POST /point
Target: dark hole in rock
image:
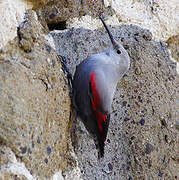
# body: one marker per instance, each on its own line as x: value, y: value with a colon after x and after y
x: 38, y: 140
x: 124, y: 103
x: 46, y: 160
x: 49, y: 150
x: 133, y: 137
x: 110, y: 166
x: 126, y: 119
x: 163, y: 122
x: 23, y: 149
x: 57, y: 26
x: 149, y: 148
x: 142, y: 121
x: 126, y: 46
x: 159, y: 173
x: 149, y: 164
x: 166, y: 138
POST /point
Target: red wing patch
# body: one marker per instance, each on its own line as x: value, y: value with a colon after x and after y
x: 96, y: 102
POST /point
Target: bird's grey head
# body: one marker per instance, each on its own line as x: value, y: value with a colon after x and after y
x: 118, y: 54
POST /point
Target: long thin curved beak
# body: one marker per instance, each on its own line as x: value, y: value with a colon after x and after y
x: 109, y: 33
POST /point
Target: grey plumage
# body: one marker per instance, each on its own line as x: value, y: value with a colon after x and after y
x: 109, y: 67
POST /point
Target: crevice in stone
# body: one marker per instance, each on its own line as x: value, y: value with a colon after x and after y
x: 2, y: 141
x: 18, y: 34
x: 57, y: 26
x: 25, y: 65
x: 46, y: 85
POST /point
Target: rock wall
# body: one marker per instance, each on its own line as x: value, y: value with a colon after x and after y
x: 12, y: 13
x: 34, y: 106
x: 142, y: 140
x: 36, y: 141
x: 160, y: 16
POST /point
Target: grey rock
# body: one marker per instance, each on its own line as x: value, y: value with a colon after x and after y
x: 149, y: 90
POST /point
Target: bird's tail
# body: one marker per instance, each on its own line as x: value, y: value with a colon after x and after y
x: 99, y: 146
x: 101, y: 138
x: 101, y: 150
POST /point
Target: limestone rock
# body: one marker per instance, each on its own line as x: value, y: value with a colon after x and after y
x: 160, y: 17
x: 36, y: 4
x: 11, y: 167
x: 12, y: 14
x: 57, y: 12
x: 142, y: 140
x: 35, y: 103
x: 173, y: 43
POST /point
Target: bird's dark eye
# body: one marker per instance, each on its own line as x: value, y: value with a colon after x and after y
x: 118, y: 51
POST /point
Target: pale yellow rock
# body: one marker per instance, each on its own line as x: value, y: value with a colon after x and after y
x: 35, y: 103
x: 12, y: 14
x: 173, y: 45
x: 11, y: 167
x: 161, y: 17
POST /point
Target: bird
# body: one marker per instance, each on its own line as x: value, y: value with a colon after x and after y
x: 94, y: 84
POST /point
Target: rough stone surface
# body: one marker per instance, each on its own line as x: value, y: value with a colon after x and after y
x: 142, y: 142
x: 12, y: 14
x: 11, y: 167
x: 35, y: 103
x: 173, y: 45
x: 161, y: 17
x: 36, y: 4
x: 57, y: 11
